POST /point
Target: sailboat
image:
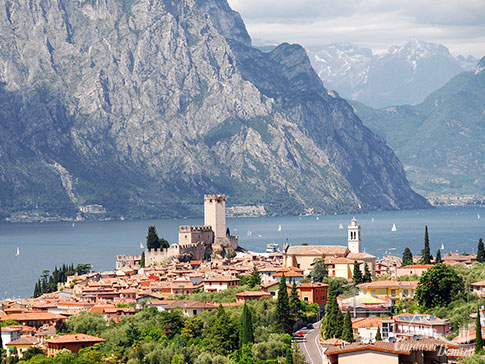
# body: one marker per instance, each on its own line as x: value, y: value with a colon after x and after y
x: 372, y: 219
x: 18, y: 252
x: 394, y: 228
x: 279, y: 227
x: 73, y: 224
x: 141, y: 245
x: 478, y: 216
x: 442, y: 246
x: 318, y: 218
x: 250, y: 233
x: 341, y: 227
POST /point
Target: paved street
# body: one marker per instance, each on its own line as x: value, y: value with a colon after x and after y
x: 310, y: 345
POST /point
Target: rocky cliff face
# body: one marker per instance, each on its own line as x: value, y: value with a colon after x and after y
x: 144, y: 105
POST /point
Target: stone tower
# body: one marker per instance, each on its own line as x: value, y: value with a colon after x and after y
x: 354, y: 242
x: 215, y: 216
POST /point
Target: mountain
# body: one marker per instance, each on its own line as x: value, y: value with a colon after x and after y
x: 441, y: 141
x: 401, y: 75
x: 136, y: 108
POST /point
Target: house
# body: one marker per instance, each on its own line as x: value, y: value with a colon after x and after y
x: 303, y: 256
x: 366, y: 327
x: 271, y: 287
x: 160, y: 305
x: 220, y: 283
x: 190, y: 308
x: 72, y: 342
x: 341, y: 267
x: 19, y: 346
x: 365, y: 305
x: 478, y: 288
x: 426, y: 351
x: 410, y: 325
x: 35, y: 319
x: 243, y: 297
x: 313, y: 292
x: 396, y: 290
x: 9, y: 334
x: 290, y: 275
x: 112, y: 312
x: 409, y: 270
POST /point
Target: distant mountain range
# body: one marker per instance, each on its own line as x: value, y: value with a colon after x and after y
x: 136, y: 108
x: 440, y: 141
x: 401, y: 75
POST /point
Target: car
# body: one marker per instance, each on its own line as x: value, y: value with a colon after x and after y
x: 309, y: 326
x: 299, y: 334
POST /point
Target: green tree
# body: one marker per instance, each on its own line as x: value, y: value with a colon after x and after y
x: 193, y: 327
x: 367, y: 275
x: 438, y: 257
x: 142, y: 260
x: 246, y: 335
x: 438, y: 286
x: 426, y: 253
x: 283, y: 316
x: 320, y: 270
x: 407, y: 257
x: 333, y: 319
x: 163, y: 243
x: 378, y: 334
x: 255, y: 278
x: 294, y: 302
x: 153, y: 241
x: 357, y: 277
x: 347, y: 332
x: 86, y: 323
x: 480, y: 251
x: 478, y: 334
x: 132, y: 334
x: 289, y: 356
x: 223, y: 334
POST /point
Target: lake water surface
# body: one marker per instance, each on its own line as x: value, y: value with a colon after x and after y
x: 42, y: 246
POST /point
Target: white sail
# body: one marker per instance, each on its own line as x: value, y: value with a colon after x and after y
x: 341, y: 227
x: 250, y: 233
x: 442, y: 246
x: 394, y: 228
x: 73, y: 224
x: 279, y: 227
x: 372, y: 219
x: 18, y: 252
x: 318, y: 217
x: 478, y: 216
x: 141, y: 245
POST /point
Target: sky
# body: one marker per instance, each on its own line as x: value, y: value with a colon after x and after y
x: 376, y: 24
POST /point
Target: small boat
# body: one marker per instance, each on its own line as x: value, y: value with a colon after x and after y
x: 259, y: 235
x: 18, y: 252
x: 73, y: 224
x: 341, y: 227
x: 279, y: 227
x: 442, y: 246
x: 478, y: 216
x: 318, y: 218
x: 372, y: 219
x: 272, y: 248
x: 250, y: 233
x: 394, y: 228
x: 141, y: 245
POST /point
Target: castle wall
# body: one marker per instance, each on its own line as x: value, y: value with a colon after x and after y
x: 193, y: 234
x: 157, y: 256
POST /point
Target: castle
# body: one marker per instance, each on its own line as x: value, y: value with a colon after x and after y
x: 200, y: 242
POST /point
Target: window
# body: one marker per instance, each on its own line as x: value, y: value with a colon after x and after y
x: 373, y: 292
x: 306, y: 299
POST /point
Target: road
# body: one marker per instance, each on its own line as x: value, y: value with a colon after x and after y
x: 310, y: 345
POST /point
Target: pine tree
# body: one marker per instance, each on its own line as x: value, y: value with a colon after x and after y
x: 223, y: 335
x: 153, y: 241
x: 478, y: 334
x: 333, y: 319
x: 426, y: 253
x: 438, y: 257
x: 378, y: 334
x: 357, y: 273
x: 294, y: 303
x: 246, y: 335
x: 283, y: 307
x: 347, y: 332
x: 367, y: 274
x: 320, y: 270
x: 407, y: 257
x: 36, y: 291
x: 142, y: 260
x: 255, y: 278
x: 480, y: 251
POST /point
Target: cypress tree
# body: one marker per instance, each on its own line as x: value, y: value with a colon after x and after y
x: 153, y: 241
x: 367, y: 274
x: 478, y: 334
x: 378, y: 334
x: 426, y: 253
x: 333, y: 319
x: 36, y: 292
x: 407, y: 257
x: 480, y: 251
x: 357, y: 273
x: 142, y: 260
x: 438, y: 257
x: 283, y: 308
x: 246, y: 335
x: 294, y: 302
x: 254, y: 278
x: 347, y: 332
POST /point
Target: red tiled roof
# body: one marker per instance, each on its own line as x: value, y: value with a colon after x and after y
x: 75, y: 338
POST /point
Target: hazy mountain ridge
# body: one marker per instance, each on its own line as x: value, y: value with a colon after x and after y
x: 401, y: 75
x: 441, y: 141
x: 143, y: 106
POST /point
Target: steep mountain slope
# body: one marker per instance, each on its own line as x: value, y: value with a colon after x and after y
x: 401, y: 75
x: 442, y: 140
x: 144, y: 105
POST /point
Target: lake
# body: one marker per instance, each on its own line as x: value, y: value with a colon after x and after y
x: 43, y: 246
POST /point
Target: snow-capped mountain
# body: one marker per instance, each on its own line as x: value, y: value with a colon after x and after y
x: 401, y: 75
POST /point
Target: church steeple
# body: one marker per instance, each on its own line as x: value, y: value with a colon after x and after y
x: 353, y: 241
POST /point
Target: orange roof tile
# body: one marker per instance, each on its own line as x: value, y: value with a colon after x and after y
x: 75, y: 338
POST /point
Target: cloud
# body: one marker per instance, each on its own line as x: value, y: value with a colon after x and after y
x: 378, y: 24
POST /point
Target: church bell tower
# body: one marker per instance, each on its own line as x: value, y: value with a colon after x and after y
x: 354, y: 243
